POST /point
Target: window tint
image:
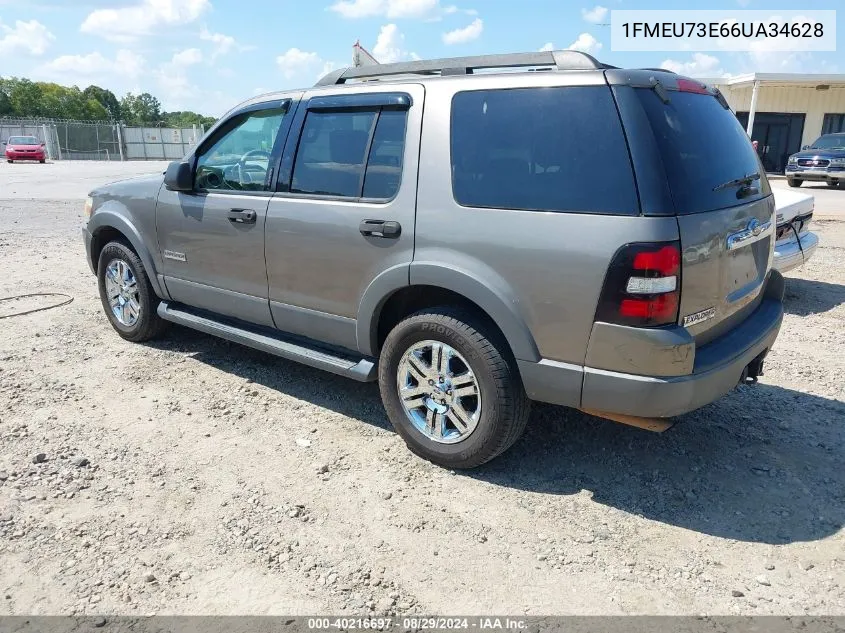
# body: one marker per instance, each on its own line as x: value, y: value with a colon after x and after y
x: 332, y: 153
x: 384, y: 169
x: 335, y: 156
x: 239, y: 159
x: 552, y: 149
x: 703, y: 145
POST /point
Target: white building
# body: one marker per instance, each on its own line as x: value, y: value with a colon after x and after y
x: 785, y: 112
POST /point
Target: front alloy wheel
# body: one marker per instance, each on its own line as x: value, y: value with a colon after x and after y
x: 128, y: 298
x: 122, y: 292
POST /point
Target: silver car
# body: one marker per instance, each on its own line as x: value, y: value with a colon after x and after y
x: 583, y: 235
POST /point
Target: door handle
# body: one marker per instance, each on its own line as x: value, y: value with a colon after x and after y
x: 242, y: 216
x: 380, y: 228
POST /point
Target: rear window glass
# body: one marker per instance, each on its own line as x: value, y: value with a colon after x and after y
x: 703, y: 146
x: 549, y: 149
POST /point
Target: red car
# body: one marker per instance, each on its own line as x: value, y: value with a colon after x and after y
x: 25, y: 148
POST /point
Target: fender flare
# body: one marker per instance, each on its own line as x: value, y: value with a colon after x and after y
x: 107, y: 218
x: 500, y: 305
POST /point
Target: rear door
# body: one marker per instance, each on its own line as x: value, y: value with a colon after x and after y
x: 345, y: 209
x: 723, y: 203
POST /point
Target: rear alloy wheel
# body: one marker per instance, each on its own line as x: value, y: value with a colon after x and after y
x: 794, y: 182
x: 451, y: 388
x: 128, y: 298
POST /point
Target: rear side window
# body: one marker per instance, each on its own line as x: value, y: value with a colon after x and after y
x: 703, y: 146
x: 548, y: 149
x: 351, y: 154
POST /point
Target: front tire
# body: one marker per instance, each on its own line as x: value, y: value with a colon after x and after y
x: 42, y: 161
x: 451, y: 389
x: 128, y: 298
x: 794, y: 182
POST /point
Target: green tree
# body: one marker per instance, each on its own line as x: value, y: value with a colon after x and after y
x: 25, y: 97
x: 6, y: 108
x: 106, y: 98
x: 143, y: 109
x: 186, y: 119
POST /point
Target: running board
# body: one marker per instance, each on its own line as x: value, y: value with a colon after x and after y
x: 266, y: 340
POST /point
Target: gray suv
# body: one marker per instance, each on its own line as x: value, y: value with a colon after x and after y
x: 474, y: 234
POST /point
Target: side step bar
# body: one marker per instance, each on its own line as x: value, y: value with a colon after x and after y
x: 362, y: 370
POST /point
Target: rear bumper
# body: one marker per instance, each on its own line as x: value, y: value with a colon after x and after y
x: 717, y: 369
x: 789, y: 254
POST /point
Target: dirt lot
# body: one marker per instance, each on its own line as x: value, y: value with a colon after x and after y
x: 196, y: 476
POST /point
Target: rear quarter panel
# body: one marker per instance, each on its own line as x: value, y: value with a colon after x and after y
x: 548, y: 266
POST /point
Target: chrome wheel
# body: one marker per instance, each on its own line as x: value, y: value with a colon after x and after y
x: 439, y: 392
x: 122, y: 292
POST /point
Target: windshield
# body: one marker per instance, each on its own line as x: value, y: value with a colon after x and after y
x: 23, y: 140
x: 829, y: 141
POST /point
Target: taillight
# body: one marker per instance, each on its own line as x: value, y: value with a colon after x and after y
x: 642, y: 285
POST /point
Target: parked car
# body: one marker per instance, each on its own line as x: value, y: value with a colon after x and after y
x: 446, y: 232
x: 795, y: 243
x: 823, y: 161
x: 25, y: 148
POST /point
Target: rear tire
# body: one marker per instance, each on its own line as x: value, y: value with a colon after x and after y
x: 794, y: 182
x: 478, y: 361
x: 127, y: 296
x: 834, y: 184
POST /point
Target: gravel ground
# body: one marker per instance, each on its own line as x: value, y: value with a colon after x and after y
x: 195, y: 476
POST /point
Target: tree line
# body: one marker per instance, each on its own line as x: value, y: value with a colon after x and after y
x: 26, y: 99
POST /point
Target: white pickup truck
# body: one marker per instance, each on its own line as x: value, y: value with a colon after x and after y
x: 795, y: 242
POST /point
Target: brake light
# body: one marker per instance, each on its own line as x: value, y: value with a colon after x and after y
x: 688, y: 85
x: 642, y: 286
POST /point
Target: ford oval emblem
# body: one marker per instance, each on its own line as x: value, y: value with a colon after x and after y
x: 754, y: 226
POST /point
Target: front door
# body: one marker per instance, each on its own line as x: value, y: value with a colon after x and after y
x: 212, y: 238
x: 345, y: 213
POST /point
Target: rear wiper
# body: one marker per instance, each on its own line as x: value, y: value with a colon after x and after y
x: 745, y: 180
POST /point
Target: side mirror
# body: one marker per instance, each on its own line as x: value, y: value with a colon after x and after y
x: 43, y: 144
x: 4, y: 142
x: 179, y: 176
x: 806, y: 147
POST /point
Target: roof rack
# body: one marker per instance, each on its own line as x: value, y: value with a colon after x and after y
x: 560, y: 60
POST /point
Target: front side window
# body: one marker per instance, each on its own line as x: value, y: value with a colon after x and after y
x: 239, y: 159
x: 350, y: 154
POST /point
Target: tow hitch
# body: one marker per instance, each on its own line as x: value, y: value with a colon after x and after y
x: 753, y: 370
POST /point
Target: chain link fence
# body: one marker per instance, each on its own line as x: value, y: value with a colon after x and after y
x: 81, y: 140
